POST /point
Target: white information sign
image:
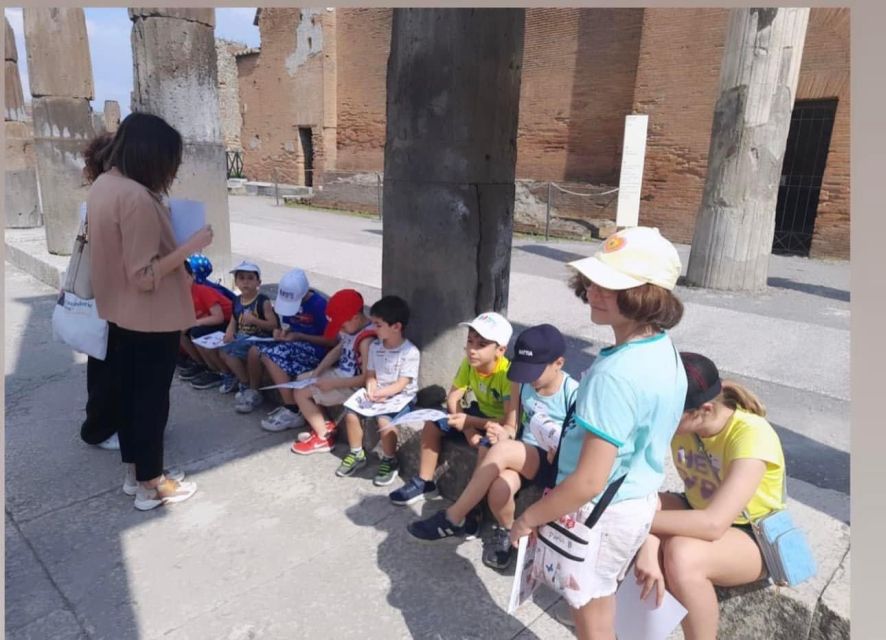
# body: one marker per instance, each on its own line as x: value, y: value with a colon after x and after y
x: 631, y: 179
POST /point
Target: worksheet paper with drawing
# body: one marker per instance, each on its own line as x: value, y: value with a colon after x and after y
x: 187, y: 216
x: 365, y: 407
x: 546, y: 431
x: 211, y: 340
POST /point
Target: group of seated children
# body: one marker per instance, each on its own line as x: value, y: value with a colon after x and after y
x: 520, y: 413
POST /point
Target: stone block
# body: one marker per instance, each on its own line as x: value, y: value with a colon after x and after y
x: 203, y: 16
x: 111, y: 116
x: 11, y: 52
x: 15, y: 99
x: 59, y: 63
x: 98, y: 123
x: 20, y: 199
x: 19, y: 146
x: 175, y: 75
x: 62, y: 127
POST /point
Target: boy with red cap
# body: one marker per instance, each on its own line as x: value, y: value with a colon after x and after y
x: 335, y: 385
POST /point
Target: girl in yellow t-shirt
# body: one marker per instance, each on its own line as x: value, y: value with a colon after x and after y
x: 701, y: 538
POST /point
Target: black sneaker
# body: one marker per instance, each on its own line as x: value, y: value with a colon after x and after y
x: 414, y: 491
x: 497, y: 550
x: 206, y: 380
x: 437, y: 527
x: 191, y: 371
x: 473, y: 521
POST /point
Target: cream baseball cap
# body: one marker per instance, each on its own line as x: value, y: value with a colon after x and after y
x: 492, y: 326
x: 630, y: 258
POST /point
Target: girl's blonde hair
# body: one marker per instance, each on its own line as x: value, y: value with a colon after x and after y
x: 736, y: 396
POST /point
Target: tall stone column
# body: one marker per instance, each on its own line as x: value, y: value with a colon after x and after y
x: 758, y: 80
x: 453, y: 89
x: 60, y: 74
x: 21, y: 203
x: 111, y: 116
x: 176, y: 77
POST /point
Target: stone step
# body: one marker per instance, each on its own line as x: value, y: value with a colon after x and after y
x: 267, y: 189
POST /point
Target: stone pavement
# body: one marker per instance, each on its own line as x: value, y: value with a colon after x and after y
x: 274, y: 544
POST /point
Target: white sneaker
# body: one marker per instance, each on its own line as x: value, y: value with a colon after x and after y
x: 249, y: 401
x: 111, y: 444
x: 130, y: 484
x: 282, y: 419
x: 147, y: 499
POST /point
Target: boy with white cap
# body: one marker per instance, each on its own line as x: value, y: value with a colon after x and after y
x: 252, y: 317
x: 492, y: 417
x: 299, y: 346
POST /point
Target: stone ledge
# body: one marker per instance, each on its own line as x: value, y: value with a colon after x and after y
x: 26, y: 249
x: 816, y: 610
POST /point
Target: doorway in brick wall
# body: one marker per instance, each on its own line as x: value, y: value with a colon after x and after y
x: 307, y: 147
x: 805, y: 159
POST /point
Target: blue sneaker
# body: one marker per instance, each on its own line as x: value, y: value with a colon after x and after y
x: 414, y: 491
x: 229, y: 383
x: 437, y: 527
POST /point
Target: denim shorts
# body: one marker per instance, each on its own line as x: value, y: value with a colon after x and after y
x: 239, y: 347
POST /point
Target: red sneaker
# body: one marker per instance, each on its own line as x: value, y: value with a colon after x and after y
x: 314, y: 444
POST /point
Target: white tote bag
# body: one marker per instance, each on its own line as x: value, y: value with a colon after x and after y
x: 76, y: 323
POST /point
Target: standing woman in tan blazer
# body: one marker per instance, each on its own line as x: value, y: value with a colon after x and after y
x: 142, y: 290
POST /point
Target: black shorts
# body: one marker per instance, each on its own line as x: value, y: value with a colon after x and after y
x: 546, y: 476
x: 741, y: 527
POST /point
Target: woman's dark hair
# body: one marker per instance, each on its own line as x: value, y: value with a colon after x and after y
x: 145, y: 148
x: 95, y: 154
x: 647, y: 304
x: 391, y: 309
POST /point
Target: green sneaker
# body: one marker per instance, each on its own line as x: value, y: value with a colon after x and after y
x: 351, y: 463
x: 387, y: 472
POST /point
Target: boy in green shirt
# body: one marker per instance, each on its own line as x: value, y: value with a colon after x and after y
x: 491, y: 418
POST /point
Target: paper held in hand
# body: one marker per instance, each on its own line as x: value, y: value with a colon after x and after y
x: 525, y: 583
x: 187, y: 216
x: 295, y: 384
x: 365, y: 407
x: 640, y: 619
x: 546, y: 431
x: 421, y: 416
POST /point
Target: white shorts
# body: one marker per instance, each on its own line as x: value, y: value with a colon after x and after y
x: 622, y: 528
x: 332, y: 397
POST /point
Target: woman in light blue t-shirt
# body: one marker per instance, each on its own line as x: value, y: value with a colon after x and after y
x: 627, y: 407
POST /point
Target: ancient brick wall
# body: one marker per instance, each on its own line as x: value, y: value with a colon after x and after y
x: 363, y: 42
x: 229, y: 92
x: 281, y: 90
x: 677, y: 81
x: 579, y: 67
x: 824, y: 73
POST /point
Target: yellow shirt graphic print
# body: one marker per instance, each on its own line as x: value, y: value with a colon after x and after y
x: 746, y: 435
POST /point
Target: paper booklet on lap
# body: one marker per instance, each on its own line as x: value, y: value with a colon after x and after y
x: 420, y: 415
x: 295, y: 384
x: 187, y: 217
x: 365, y: 407
x: 211, y: 340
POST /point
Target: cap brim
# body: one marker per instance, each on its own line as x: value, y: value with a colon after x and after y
x: 525, y: 372
x: 603, y: 275
x: 332, y: 329
x: 479, y: 332
x: 286, y: 307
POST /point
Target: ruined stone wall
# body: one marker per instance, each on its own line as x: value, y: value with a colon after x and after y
x: 229, y: 92
x: 824, y: 73
x: 281, y: 89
